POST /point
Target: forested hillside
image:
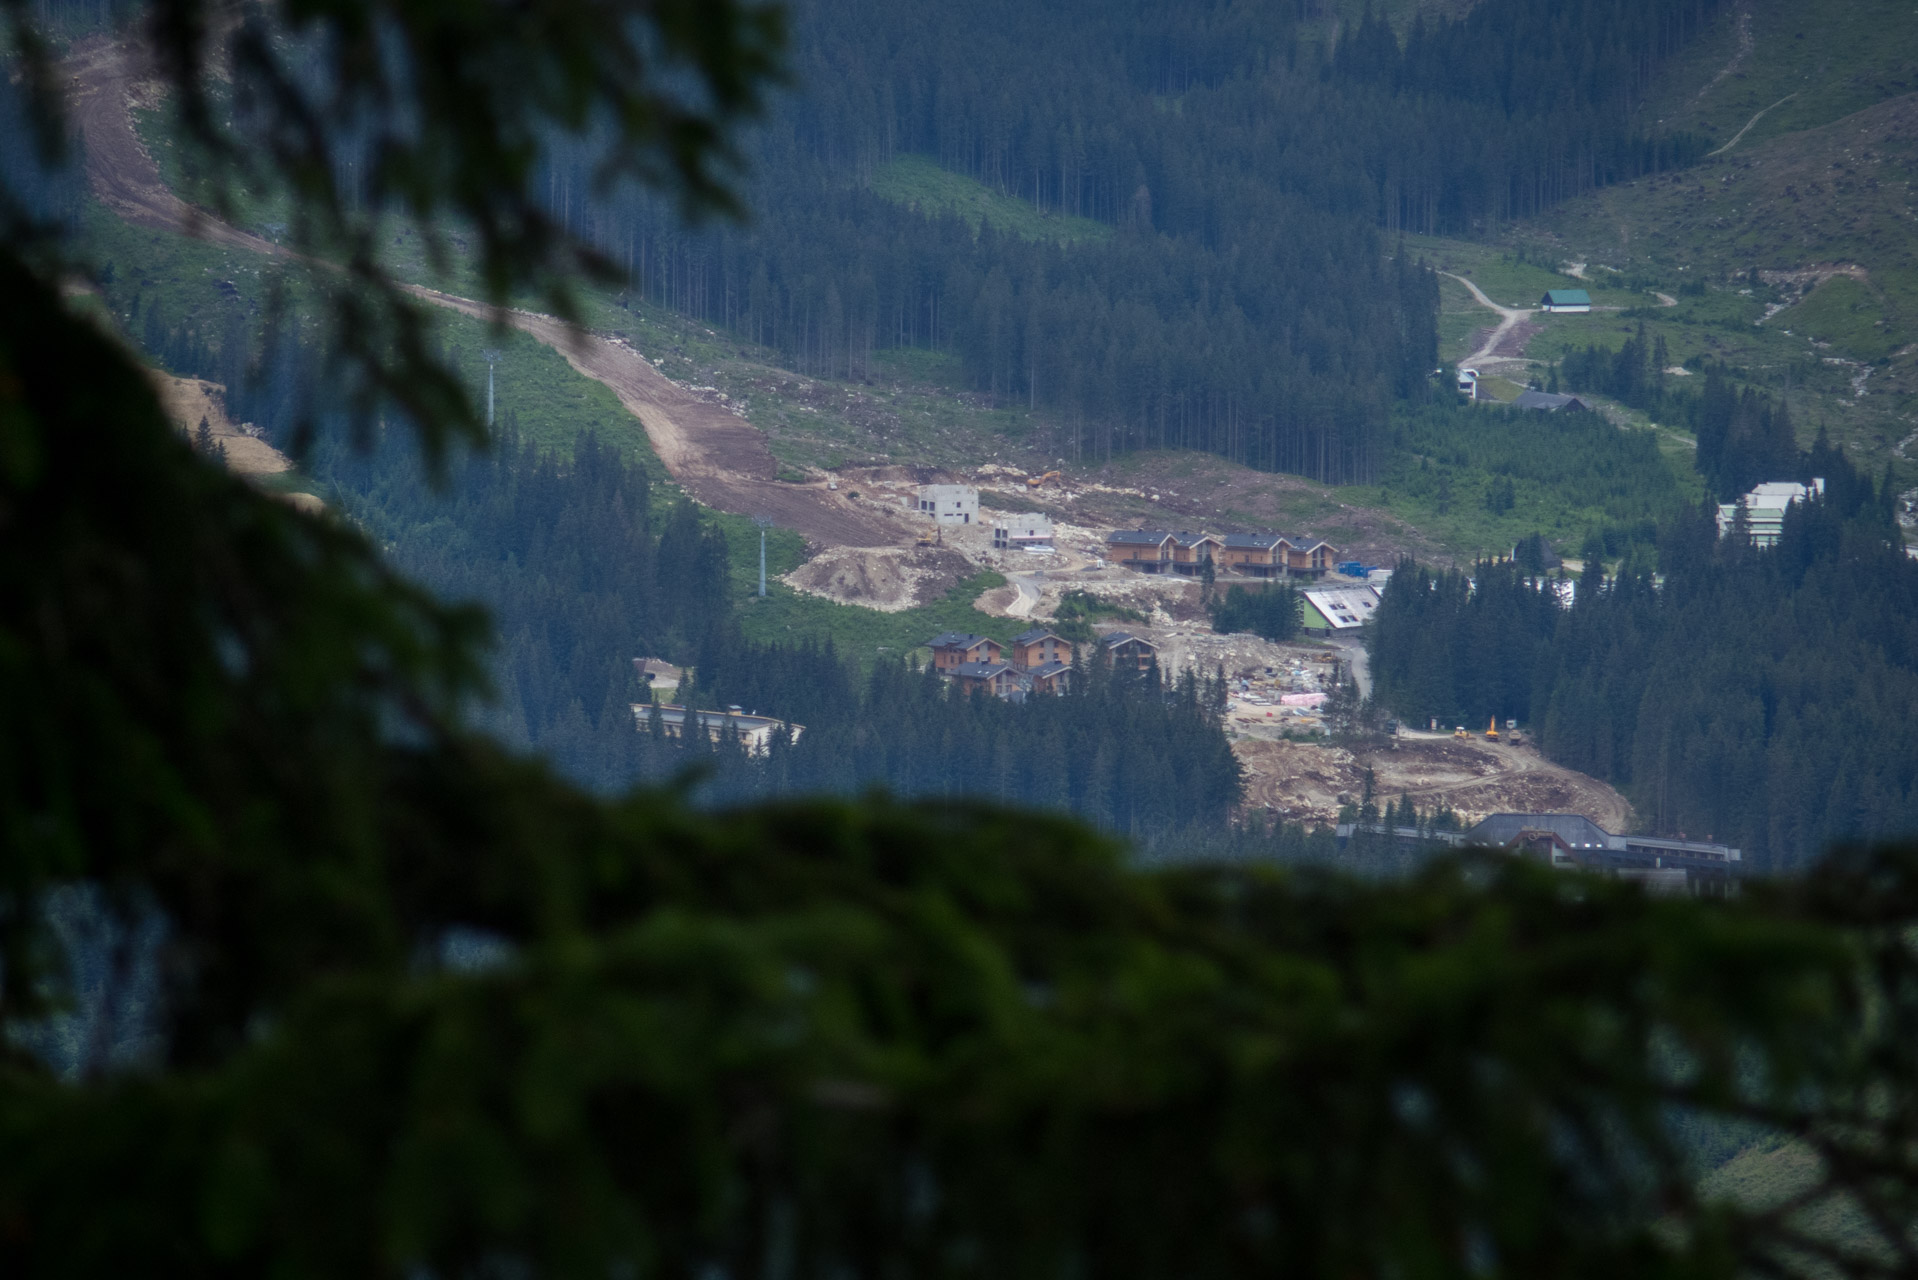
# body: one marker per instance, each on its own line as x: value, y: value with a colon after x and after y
x: 1767, y: 698
x: 1249, y: 302
x: 581, y: 570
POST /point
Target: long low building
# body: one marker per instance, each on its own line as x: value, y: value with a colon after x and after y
x: 1250, y: 555
x: 1764, y: 509
x: 755, y: 732
x: 1571, y: 840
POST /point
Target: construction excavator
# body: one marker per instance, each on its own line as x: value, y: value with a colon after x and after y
x: 1038, y: 482
x: 1491, y: 730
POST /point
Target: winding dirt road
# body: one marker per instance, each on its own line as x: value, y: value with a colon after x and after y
x: 713, y: 454
x: 1507, y: 334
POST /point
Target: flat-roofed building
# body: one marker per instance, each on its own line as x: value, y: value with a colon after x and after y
x: 1028, y: 531
x: 755, y: 732
x: 1765, y: 508
x: 1571, y: 841
x: 949, y: 503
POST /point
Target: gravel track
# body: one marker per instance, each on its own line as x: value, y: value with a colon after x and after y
x: 718, y: 458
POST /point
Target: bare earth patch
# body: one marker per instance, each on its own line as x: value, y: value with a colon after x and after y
x: 889, y: 579
x: 1304, y: 782
x: 191, y: 401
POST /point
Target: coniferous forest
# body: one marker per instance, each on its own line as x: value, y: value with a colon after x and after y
x: 1247, y: 299
x: 581, y: 570
x: 1243, y: 294
x: 1767, y: 698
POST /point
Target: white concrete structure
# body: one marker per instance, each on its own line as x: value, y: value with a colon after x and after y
x: 1765, y: 508
x: 949, y: 503
x: 1028, y: 529
x: 755, y: 732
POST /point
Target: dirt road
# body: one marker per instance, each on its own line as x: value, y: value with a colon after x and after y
x: 715, y: 455
x: 1507, y: 340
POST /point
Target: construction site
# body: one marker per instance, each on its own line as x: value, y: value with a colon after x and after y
x: 870, y: 542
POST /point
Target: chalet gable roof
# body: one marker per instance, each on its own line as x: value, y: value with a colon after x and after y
x: 957, y: 640
x: 981, y: 670
x: 1118, y: 639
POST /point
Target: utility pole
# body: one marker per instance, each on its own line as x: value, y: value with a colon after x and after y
x: 763, y: 524
x: 492, y: 358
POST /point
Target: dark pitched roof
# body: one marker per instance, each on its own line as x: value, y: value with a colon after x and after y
x: 1547, y: 400
x: 1255, y: 541
x: 1138, y: 537
x: 980, y: 670
x: 1574, y: 829
x: 956, y: 640
x: 1113, y: 639
x: 1187, y: 538
x: 1037, y: 633
x: 1048, y: 671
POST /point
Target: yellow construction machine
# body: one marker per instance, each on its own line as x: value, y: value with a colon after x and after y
x: 1459, y: 732
x: 1035, y: 482
x: 1491, y: 730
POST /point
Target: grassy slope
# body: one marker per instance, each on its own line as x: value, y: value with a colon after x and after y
x: 1826, y: 178
x: 917, y: 409
x: 1833, y: 59
x: 550, y: 405
x: 921, y: 185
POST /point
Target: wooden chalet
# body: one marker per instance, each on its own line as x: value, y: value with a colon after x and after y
x: 1052, y: 677
x: 1128, y: 651
x: 952, y: 649
x: 1147, y: 550
x: 1035, y: 648
x: 995, y: 678
x: 1192, y: 551
x: 1309, y: 557
x: 1253, y: 555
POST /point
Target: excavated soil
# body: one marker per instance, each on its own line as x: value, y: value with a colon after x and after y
x: 1305, y: 782
x: 190, y: 401
x: 889, y: 579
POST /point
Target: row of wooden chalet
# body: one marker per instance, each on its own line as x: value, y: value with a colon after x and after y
x: 1251, y: 555
x: 1040, y: 660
